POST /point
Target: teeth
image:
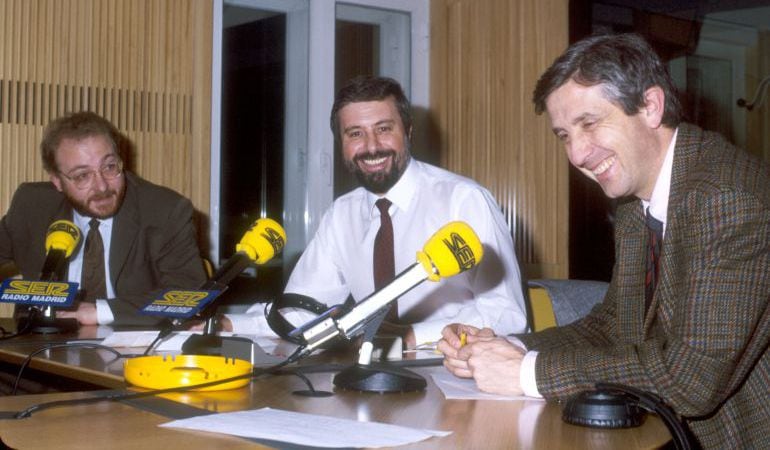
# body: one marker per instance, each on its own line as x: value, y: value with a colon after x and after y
x: 601, y: 168
x: 374, y: 162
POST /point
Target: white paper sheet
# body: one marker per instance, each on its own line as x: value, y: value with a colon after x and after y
x: 305, y: 429
x: 465, y: 388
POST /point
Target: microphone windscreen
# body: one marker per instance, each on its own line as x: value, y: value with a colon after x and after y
x: 265, y: 239
x: 62, y: 235
x: 453, y: 249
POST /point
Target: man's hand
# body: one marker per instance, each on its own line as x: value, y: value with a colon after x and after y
x: 450, y: 345
x: 85, y: 314
x: 495, y: 365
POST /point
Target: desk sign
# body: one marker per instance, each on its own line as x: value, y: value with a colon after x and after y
x: 38, y: 293
x: 178, y: 303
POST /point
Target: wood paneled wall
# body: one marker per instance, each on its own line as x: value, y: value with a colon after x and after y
x: 143, y: 64
x: 486, y: 56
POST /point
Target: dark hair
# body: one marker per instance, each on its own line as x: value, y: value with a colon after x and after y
x: 366, y: 89
x: 77, y: 126
x: 624, y: 64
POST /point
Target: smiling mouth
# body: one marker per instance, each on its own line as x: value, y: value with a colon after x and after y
x: 373, y: 161
x: 604, y: 166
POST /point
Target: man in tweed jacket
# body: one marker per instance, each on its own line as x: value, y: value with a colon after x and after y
x: 702, y: 344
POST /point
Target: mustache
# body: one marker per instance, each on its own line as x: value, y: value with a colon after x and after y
x: 374, y: 155
x: 103, y: 195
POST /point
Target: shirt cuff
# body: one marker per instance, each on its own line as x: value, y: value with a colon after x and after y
x: 427, y: 332
x: 517, y: 342
x: 527, y: 375
x: 249, y: 323
x: 104, y: 314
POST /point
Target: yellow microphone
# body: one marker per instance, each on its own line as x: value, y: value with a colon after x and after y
x: 453, y: 249
x: 265, y: 239
x: 261, y: 242
x: 62, y: 235
x: 60, y: 241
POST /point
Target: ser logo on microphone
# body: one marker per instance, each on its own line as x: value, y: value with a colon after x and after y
x: 461, y: 251
x: 54, y: 293
x: 274, y: 238
x: 179, y: 303
x: 66, y: 227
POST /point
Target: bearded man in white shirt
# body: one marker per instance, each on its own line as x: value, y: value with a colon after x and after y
x: 371, y: 120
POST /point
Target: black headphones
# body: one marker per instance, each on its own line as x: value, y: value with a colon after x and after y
x: 617, y: 406
x: 283, y: 327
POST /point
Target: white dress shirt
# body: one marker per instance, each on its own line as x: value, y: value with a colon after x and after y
x: 338, y: 260
x: 658, y: 205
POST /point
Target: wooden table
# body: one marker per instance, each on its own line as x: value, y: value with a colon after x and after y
x: 97, y: 367
x: 474, y: 424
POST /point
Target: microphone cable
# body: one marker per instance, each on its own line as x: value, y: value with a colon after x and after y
x: 166, y: 328
x: 680, y: 434
x: 86, y: 345
x: 32, y: 314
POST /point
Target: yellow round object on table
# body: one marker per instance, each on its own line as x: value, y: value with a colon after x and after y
x: 169, y: 371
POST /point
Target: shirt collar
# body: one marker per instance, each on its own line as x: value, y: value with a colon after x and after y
x: 105, y: 225
x: 401, y: 194
x: 658, y: 203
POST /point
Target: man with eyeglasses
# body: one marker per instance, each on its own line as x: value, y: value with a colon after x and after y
x: 147, y: 233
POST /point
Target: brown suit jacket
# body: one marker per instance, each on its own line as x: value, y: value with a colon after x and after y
x: 153, y: 244
x: 703, y: 345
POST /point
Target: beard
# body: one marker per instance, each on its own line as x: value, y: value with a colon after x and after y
x: 379, y: 182
x: 84, y: 206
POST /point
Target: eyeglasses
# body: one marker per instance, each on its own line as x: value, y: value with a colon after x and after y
x: 84, y: 179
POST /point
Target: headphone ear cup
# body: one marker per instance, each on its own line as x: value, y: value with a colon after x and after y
x: 603, y: 409
x: 283, y: 327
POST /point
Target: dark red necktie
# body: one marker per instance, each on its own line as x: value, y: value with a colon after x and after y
x: 383, y: 264
x: 92, y: 281
x: 654, y: 245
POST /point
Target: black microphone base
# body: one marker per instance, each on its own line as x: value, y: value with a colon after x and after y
x: 213, y: 345
x: 203, y: 344
x: 47, y: 325
x: 378, y: 377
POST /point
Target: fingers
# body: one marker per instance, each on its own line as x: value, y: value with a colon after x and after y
x: 458, y: 368
x: 451, y: 334
x: 449, y: 350
x: 485, y: 333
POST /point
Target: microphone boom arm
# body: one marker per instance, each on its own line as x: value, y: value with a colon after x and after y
x: 326, y: 326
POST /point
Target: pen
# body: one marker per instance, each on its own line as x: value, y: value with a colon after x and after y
x: 463, y: 338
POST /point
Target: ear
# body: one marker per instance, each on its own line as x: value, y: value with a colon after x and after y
x: 654, y: 104
x: 56, y: 180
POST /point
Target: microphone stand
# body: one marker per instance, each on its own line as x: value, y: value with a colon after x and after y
x: 44, y: 321
x: 381, y: 377
x: 209, y: 343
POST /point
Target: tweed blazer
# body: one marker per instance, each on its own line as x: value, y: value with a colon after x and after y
x: 153, y: 244
x: 703, y: 344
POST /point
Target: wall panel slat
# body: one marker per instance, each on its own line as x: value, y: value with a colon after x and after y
x: 486, y: 56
